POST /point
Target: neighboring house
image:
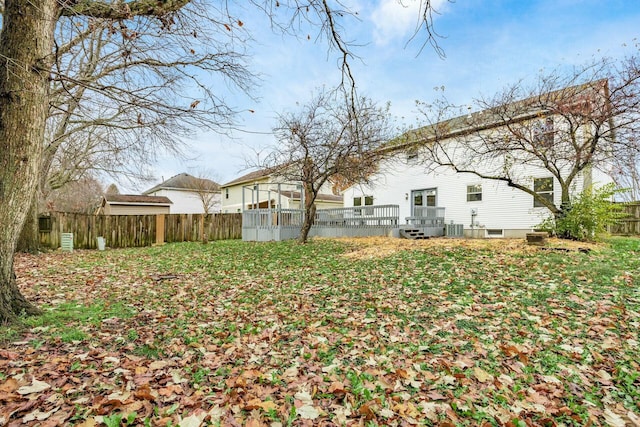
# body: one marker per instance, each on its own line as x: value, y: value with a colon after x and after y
x: 133, y: 204
x: 264, y: 188
x: 484, y: 207
x: 189, y: 194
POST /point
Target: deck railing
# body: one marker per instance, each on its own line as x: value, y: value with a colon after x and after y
x: 427, y: 216
x: 283, y: 224
x: 358, y: 217
x: 267, y: 218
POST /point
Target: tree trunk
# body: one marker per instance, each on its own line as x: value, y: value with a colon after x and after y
x: 309, y: 217
x: 26, y: 46
x: 309, y: 213
x: 29, y: 241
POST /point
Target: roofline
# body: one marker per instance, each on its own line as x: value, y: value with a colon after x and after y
x: 234, y: 183
x: 180, y: 189
x: 471, y: 128
x: 139, y: 203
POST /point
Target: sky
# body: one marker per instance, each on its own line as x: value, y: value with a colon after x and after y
x: 488, y: 45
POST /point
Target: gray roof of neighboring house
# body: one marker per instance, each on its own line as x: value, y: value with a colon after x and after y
x: 184, y: 181
x: 251, y: 176
x: 137, y: 199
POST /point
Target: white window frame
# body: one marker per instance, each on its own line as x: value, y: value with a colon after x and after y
x: 474, y: 192
x: 493, y: 233
x: 550, y: 193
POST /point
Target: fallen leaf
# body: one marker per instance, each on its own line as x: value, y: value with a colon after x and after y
x: 303, y: 396
x: 89, y: 422
x: 633, y: 418
x: 35, y: 387
x: 193, y: 420
x: 613, y: 419
x: 337, y: 387
x: 308, y: 412
x: 268, y: 405
x: 9, y: 386
x: 482, y: 375
x: 158, y: 364
x: 387, y: 413
x: 38, y: 415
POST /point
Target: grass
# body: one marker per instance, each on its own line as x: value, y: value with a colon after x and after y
x: 378, y: 333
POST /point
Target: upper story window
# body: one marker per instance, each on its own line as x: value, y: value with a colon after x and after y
x: 412, y: 157
x: 544, y: 188
x: 474, y: 193
x: 543, y: 132
x: 226, y: 193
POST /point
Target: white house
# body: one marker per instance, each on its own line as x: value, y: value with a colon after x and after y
x: 189, y: 194
x: 484, y: 207
x: 264, y: 188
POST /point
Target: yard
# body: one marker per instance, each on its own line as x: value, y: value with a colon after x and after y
x: 337, y: 332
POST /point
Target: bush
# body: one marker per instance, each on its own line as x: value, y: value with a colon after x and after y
x: 590, y: 214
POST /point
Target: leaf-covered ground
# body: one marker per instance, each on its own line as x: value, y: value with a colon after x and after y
x: 336, y: 332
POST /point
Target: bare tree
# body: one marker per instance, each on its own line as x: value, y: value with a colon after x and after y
x: 117, y: 94
x: 112, y: 189
x: 328, y: 139
x: 207, y: 190
x: 32, y: 55
x: 563, y: 125
x: 626, y: 174
x: 81, y: 196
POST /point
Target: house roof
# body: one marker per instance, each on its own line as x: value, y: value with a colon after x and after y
x: 513, y: 112
x: 184, y: 181
x: 136, y: 199
x: 295, y: 195
x: 251, y: 176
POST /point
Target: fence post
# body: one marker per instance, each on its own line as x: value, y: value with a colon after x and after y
x: 160, y: 229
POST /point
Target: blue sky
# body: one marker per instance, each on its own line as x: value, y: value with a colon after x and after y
x: 488, y: 44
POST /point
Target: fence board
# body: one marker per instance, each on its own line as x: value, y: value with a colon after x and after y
x: 630, y: 224
x: 122, y: 231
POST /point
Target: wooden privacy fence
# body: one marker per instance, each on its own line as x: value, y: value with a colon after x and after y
x: 122, y: 231
x: 630, y: 224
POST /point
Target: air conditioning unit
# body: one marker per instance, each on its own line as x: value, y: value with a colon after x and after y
x: 454, y: 230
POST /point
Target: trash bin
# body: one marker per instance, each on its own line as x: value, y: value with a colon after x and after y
x: 100, y: 243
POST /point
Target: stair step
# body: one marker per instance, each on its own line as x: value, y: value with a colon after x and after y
x: 413, y: 234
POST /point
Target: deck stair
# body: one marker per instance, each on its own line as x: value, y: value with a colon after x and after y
x: 412, y: 234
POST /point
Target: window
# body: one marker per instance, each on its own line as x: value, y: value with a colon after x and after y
x: 495, y: 232
x: 544, y: 187
x: 412, y: 157
x: 543, y: 133
x: 474, y: 193
x: 226, y: 193
x: 363, y: 201
x: 44, y: 224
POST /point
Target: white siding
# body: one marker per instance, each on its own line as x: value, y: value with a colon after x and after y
x: 187, y: 202
x: 501, y: 207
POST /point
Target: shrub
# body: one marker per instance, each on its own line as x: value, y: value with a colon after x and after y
x: 590, y: 214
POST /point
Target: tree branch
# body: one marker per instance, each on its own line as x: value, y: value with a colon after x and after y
x: 122, y: 10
